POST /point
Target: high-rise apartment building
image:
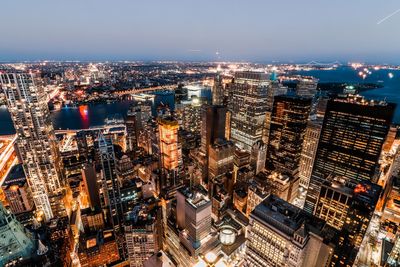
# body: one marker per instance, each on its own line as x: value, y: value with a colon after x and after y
x: 36, y: 142
x: 248, y: 104
x: 353, y: 133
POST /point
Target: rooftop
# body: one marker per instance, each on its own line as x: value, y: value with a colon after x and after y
x: 286, y: 217
x: 15, y: 176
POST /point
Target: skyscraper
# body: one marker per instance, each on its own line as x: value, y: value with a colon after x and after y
x: 191, y: 116
x: 111, y: 190
x: 287, y: 130
x: 27, y: 104
x: 213, y: 126
x: 89, y: 178
x: 132, y: 130
x: 248, y: 103
x: 310, y: 146
x: 276, y: 88
x: 197, y: 222
x: 220, y: 160
x: 218, y: 90
x: 170, y: 152
x: 307, y: 87
x: 353, y: 133
x: 212, y: 129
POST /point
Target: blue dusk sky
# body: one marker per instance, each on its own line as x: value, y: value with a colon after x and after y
x: 251, y: 30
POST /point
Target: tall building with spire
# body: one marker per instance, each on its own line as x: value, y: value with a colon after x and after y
x: 36, y: 142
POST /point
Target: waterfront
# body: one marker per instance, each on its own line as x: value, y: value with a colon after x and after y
x: 389, y: 92
x: 95, y: 114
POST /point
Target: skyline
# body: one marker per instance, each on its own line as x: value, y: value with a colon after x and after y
x: 265, y: 31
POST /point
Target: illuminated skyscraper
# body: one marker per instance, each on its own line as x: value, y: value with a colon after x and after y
x: 287, y: 130
x: 27, y: 104
x: 352, y: 136
x: 111, y: 190
x: 248, y: 104
x: 218, y: 91
x: 275, y: 89
x: 307, y: 87
x: 132, y: 130
x: 307, y: 157
x: 170, y: 152
x: 288, y: 127
x: 191, y: 115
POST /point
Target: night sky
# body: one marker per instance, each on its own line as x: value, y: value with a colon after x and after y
x: 251, y: 30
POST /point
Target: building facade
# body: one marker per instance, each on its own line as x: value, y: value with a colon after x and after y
x: 248, y: 104
x: 170, y: 152
x: 280, y: 234
x: 111, y: 190
x: 287, y: 131
x: 310, y: 144
x: 353, y: 133
x: 36, y: 142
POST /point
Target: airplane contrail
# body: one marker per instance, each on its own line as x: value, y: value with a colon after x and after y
x: 388, y: 16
